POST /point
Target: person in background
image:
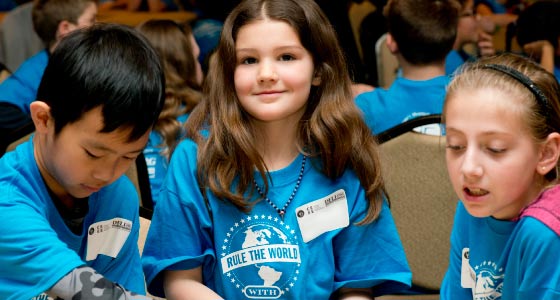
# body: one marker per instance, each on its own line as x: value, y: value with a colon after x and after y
x: 69, y: 219
x: 421, y: 34
x: 472, y: 30
x: 277, y: 188
x: 52, y: 20
x: 502, y: 117
x: 179, y: 52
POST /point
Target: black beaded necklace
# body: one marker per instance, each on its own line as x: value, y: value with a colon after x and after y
x: 282, y: 211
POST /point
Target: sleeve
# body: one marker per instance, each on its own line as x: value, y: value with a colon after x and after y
x: 377, y: 242
x: 180, y: 235
x: 86, y: 283
x: 451, y: 286
x: 126, y: 268
x: 537, y: 251
x: 32, y: 256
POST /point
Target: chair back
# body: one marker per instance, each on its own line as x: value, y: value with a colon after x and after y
x: 138, y: 174
x: 387, y: 64
x: 422, y: 199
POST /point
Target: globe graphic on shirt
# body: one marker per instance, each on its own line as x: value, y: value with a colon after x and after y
x: 260, y: 256
x: 258, y: 235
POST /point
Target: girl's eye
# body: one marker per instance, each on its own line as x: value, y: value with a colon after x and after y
x: 496, y: 150
x: 91, y: 154
x: 248, y: 60
x: 287, y: 57
x: 454, y: 147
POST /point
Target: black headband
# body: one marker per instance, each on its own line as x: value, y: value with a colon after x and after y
x: 526, y: 81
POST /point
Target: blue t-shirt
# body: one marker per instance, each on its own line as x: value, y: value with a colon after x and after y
x: 404, y: 100
x: 21, y: 87
x: 37, y: 248
x: 507, y: 260
x: 455, y: 59
x: 156, y: 155
x: 311, y: 252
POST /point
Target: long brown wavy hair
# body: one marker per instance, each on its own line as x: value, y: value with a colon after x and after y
x: 331, y: 129
x: 182, y: 87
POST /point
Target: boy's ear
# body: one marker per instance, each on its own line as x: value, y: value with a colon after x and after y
x: 550, y: 153
x: 41, y: 116
x: 391, y: 44
x: 64, y: 27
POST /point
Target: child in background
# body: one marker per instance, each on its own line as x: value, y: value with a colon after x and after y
x: 69, y: 219
x: 471, y: 30
x: 277, y: 191
x: 421, y: 34
x: 52, y: 20
x: 503, y: 142
x: 179, y: 52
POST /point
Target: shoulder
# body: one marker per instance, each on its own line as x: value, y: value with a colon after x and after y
x: 37, y: 62
x: 120, y: 194
x: 536, y: 233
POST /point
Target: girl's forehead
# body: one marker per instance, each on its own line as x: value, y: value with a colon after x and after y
x: 486, y: 100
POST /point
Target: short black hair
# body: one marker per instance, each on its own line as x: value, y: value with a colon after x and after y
x: 106, y: 65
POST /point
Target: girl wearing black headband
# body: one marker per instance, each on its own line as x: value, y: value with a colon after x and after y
x: 503, y: 145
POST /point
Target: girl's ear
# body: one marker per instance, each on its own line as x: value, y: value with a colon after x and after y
x: 550, y: 153
x: 41, y: 116
x: 316, y: 81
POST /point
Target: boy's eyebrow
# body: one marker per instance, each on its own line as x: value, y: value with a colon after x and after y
x: 107, y: 149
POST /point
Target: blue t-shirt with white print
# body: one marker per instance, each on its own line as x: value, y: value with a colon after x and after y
x: 37, y: 248
x: 315, y: 249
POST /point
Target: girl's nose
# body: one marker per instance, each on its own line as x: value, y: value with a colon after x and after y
x: 471, y: 166
x: 267, y: 72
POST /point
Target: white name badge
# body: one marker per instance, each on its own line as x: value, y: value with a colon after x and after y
x: 323, y: 215
x: 107, y: 237
x: 468, y: 276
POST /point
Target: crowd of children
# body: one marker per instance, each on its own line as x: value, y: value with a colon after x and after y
x: 264, y: 164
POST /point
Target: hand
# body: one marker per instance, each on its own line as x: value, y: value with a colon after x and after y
x: 485, y: 44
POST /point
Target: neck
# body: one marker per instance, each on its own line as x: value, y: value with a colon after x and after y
x: 423, y: 72
x: 278, y: 145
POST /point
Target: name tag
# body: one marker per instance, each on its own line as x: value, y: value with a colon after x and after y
x: 468, y: 276
x: 323, y: 215
x: 107, y: 237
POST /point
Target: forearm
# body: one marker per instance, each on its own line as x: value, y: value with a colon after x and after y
x: 85, y: 283
x: 547, y: 57
x: 187, y: 285
x: 354, y: 294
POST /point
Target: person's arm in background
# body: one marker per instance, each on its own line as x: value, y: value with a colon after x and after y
x: 498, y: 19
x: 543, y: 51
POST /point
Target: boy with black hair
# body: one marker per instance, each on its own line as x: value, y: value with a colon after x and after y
x: 421, y: 34
x: 69, y: 219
